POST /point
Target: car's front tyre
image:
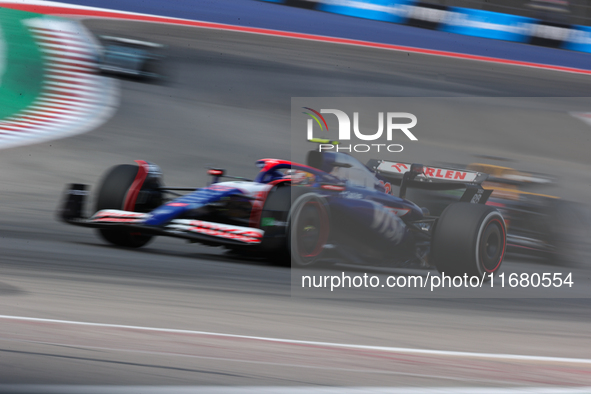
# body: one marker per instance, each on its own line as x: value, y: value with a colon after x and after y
x: 111, y: 195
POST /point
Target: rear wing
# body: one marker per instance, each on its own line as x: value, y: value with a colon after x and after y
x: 452, y: 177
x: 433, y: 178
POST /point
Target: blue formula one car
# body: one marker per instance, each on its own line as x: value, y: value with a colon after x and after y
x: 332, y: 209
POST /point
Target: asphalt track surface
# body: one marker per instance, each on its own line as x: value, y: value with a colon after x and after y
x: 227, y: 102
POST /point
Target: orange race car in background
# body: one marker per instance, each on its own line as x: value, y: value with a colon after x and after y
x: 538, y: 224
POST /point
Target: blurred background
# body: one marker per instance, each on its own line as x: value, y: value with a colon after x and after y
x: 576, y: 12
x: 112, y: 90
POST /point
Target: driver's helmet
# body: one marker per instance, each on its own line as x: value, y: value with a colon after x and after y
x: 299, y: 177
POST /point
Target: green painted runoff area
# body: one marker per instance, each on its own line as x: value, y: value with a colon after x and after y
x: 21, y: 63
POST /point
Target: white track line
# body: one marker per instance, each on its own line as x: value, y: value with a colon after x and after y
x: 495, y: 356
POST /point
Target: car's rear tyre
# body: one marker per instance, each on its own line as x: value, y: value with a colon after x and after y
x: 111, y: 195
x: 469, y: 239
x: 309, y: 228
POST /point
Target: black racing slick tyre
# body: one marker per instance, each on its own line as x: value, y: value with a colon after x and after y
x: 309, y: 228
x: 469, y: 239
x: 111, y: 195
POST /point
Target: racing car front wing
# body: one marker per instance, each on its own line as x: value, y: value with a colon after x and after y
x: 208, y: 233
